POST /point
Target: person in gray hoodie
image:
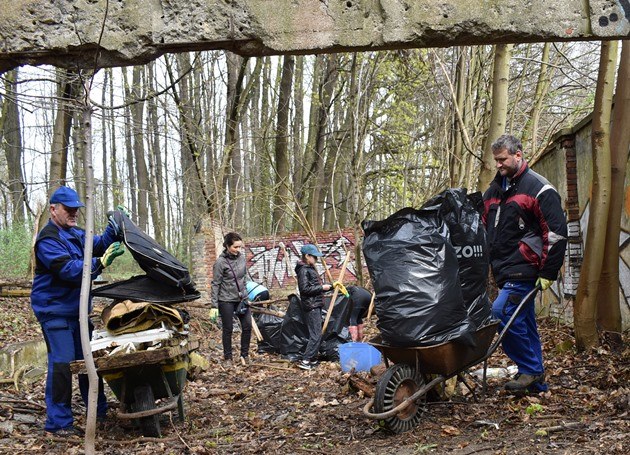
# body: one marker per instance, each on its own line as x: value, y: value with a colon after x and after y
x: 228, y: 290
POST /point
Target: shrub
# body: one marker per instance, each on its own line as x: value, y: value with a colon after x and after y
x: 15, y: 252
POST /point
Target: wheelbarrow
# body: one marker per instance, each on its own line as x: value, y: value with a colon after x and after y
x: 414, y: 371
x: 148, y: 382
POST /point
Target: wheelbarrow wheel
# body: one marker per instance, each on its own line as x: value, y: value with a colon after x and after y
x: 145, y: 401
x: 399, y: 382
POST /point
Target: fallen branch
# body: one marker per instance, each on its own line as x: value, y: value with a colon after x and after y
x: 564, y: 426
x: 361, y: 384
x: 265, y: 311
x: 264, y: 365
x: 4, y: 400
x: 15, y: 379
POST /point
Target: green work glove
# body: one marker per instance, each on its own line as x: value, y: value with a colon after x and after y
x: 214, y: 314
x: 123, y: 209
x: 544, y: 283
x: 111, y: 253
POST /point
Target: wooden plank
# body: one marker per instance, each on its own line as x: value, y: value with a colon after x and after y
x: 15, y: 293
x: 106, y: 364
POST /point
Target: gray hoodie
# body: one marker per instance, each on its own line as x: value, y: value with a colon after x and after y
x: 224, y: 287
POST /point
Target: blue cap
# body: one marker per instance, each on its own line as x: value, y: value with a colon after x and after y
x: 312, y: 250
x: 66, y: 196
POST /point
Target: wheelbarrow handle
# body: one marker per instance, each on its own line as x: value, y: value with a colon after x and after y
x: 405, y: 403
x: 520, y: 306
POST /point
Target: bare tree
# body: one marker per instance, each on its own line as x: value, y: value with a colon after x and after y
x: 281, y: 148
x: 500, y: 84
x: 585, y: 306
x: 11, y: 135
x: 608, y: 309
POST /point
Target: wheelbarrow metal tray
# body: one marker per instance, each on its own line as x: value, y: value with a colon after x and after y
x: 446, y: 358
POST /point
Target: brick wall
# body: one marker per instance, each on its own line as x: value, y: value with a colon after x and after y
x: 271, y: 260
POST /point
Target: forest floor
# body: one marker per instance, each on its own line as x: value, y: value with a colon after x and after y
x: 272, y: 406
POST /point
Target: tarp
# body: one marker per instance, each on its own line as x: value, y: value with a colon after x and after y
x: 167, y: 280
x: 153, y: 258
x: 414, y: 271
x: 292, y: 337
x: 462, y: 214
x: 269, y: 326
x: 129, y: 317
x: 142, y: 288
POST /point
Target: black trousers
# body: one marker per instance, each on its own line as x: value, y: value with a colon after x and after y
x: 226, y: 311
x: 314, y: 324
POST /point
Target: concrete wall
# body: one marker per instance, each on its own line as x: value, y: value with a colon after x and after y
x: 71, y: 33
x: 568, y: 165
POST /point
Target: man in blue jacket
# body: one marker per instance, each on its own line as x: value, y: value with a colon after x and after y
x: 527, y: 237
x: 55, y: 301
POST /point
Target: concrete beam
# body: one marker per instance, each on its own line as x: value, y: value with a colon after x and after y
x: 100, y: 33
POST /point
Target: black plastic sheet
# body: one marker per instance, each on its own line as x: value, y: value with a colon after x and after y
x: 462, y: 214
x: 414, y: 271
x: 294, y: 332
x: 142, y: 288
x: 270, y: 327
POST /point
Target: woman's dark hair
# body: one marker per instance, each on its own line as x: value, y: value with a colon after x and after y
x: 230, y: 238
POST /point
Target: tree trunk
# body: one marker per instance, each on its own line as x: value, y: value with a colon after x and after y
x: 117, y: 190
x: 585, y: 306
x: 156, y: 194
x: 61, y: 131
x: 282, y: 176
x: 137, y: 130
x: 530, y: 134
x: 236, y: 67
x: 131, y: 175
x: 500, y: 85
x: 12, y: 145
x: 608, y: 309
x: 329, y: 81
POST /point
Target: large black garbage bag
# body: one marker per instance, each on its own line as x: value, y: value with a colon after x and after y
x: 294, y: 332
x: 462, y: 214
x: 270, y: 327
x: 337, y: 331
x: 414, y: 271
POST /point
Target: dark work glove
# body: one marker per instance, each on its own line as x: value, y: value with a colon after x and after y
x: 112, y: 221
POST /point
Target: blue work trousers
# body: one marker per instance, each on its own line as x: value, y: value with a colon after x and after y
x: 522, y: 342
x: 63, y: 341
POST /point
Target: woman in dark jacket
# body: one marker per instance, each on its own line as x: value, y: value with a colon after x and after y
x: 311, y: 292
x: 228, y: 290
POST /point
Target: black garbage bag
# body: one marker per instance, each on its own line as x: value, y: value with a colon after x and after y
x: 270, y: 327
x: 414, y: 271
x: 462, y: 214
x: 294, y: 332
x: 337, y: 331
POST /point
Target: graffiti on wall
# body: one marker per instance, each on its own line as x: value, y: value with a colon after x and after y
x: 572, y: 267
x: 274, y: 264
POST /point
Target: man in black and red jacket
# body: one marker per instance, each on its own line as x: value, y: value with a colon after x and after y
x: 527, y: 233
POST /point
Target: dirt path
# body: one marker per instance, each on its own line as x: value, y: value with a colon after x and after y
x: 274, y: 407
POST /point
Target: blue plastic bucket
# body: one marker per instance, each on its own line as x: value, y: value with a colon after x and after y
x: 360, y: 356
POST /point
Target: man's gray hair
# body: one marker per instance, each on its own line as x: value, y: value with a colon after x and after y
x: 507, y: 142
